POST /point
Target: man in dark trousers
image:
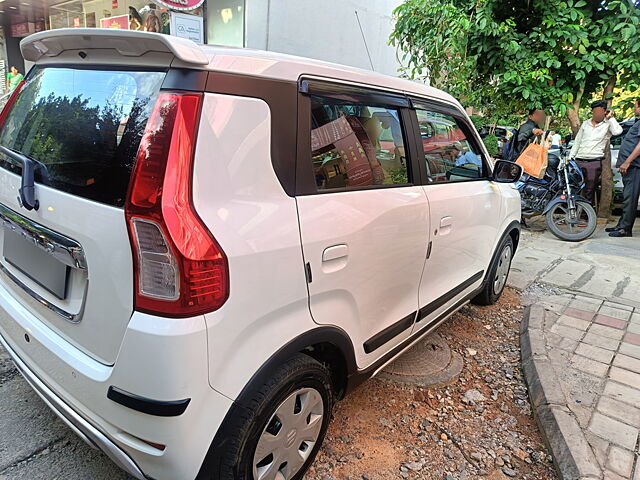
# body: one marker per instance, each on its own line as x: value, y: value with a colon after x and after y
x: 590, y: 144
x: 629, y: 165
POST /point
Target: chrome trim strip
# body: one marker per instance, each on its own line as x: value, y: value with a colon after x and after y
x: 62, y: 248
x: 77, y: 423
x: 71, y: 317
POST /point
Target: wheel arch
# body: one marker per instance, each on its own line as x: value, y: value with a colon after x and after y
x: 513, y: 231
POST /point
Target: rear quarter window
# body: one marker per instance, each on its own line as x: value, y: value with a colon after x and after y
x: 82, y: 127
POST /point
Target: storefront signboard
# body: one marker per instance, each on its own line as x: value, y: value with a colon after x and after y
x: 121, y: 22
x: 187, y: 26
x: 181, y: 5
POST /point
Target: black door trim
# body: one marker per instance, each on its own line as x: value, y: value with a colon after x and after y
x: 388, y: 333
x: 450, y: 295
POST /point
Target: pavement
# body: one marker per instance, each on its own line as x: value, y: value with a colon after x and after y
x: 580, y: 343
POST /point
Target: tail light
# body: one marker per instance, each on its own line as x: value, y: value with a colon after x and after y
x: 9, y: 104
x: 180, y: 270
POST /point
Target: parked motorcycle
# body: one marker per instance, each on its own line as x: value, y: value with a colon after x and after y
x: 569, y: 216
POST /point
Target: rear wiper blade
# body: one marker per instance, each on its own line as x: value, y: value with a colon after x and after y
x: 27, y: 190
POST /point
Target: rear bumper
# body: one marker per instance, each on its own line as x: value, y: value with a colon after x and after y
x: 79, y: 425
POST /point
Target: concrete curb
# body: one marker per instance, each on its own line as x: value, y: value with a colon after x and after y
x: 572, y: 455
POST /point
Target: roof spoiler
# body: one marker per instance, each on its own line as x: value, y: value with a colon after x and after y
x: 126, y: 42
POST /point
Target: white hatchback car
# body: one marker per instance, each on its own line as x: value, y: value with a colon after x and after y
x: 203, y: 247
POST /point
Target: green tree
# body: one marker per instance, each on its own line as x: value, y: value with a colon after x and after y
x: 516, y: 54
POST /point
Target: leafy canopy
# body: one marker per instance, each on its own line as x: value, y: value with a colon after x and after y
x: 515, y: 54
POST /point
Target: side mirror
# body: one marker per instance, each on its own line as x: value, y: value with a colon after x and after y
x: 506, y: 172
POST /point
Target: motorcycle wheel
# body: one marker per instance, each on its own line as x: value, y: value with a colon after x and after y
x: 558, y: 222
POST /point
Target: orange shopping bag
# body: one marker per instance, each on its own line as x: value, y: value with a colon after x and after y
x: 533, y: 159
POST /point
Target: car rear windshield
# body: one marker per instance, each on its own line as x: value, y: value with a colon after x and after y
x: 82, y: 127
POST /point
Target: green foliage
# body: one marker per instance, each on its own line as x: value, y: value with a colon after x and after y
x: 479, y: 121
x: 491, y: 142
x: 515, y: 54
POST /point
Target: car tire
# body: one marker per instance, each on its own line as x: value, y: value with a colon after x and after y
x: 267, y: 422
x: 498, y: 274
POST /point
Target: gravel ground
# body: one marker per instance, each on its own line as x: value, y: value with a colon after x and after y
x: 477, y: 426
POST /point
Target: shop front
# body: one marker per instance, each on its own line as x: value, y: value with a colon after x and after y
x: 203, y: 21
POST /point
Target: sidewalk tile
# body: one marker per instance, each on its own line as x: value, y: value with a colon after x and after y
x: 618, y: 305
x: 600, y: 341
x: 568, y: 332
x: 633, y: 328
x: 620, y: 411
x: 623, y: 393
x: 624, y: 376
x: 558, y: 341
x: 589, y: 306
x: 614, y: 431
x: 573, y: 322
x: 628, y: 363
x: 609, y: 475
x: 611, y: 322
x: 633, y: 338
x: 636, y: 476
x: 620, y: 461
x: 581, y: 314
x: 615, y: 312
x: 606, y: 331
x: 631, y: 350
x: 595, y: 353
x: 589, y: 366
x: 635, y: 318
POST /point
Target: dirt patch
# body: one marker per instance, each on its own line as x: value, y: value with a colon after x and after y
x: 479, y: 425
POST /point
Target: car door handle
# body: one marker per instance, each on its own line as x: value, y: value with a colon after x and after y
x: 446, y: 224
x: 335, y: 252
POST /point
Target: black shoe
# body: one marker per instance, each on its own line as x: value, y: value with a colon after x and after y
x: 620, y: 233
x: 611, y: 229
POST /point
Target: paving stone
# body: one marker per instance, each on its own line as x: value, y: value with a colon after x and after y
x: 621, y: 306
x: 589, y: 366
x: 614, y: 431
x: 599, y: 446
x: 581, y: 314
x: 633, y: 328
x: 573, y: 322
x: 554, y: 340
x: 636, y: 476
x: 631, y: 350
x: 611, y: 322
x: 628, y: 363
x: 623, y: 393
x: 615, y: 312
x: 620, y: 411
x: 567, y: 332
x: 595, y: 353
x: 600, y: 341
x: 635, y: 318
x: 591, y: 305
x: 606, y: 331
x: 620, y: 461
x: 632, y: 338
x: 609, y: 475
x: 624, y: 376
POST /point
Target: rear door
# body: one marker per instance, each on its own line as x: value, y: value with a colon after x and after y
x: 465, y: 209
x: 70, y: 261
x: 364, y: 220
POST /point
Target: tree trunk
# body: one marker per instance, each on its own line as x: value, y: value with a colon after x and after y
x: 606, y: 180
x: 574, y: 120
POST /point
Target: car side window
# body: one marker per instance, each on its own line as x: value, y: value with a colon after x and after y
x: 356, y: 145
x: 449, y: 154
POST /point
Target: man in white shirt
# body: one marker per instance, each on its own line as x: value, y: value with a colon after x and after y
x: 590, y: 144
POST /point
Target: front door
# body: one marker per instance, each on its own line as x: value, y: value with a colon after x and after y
x: 365, y: 229
x: 465, y: 212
